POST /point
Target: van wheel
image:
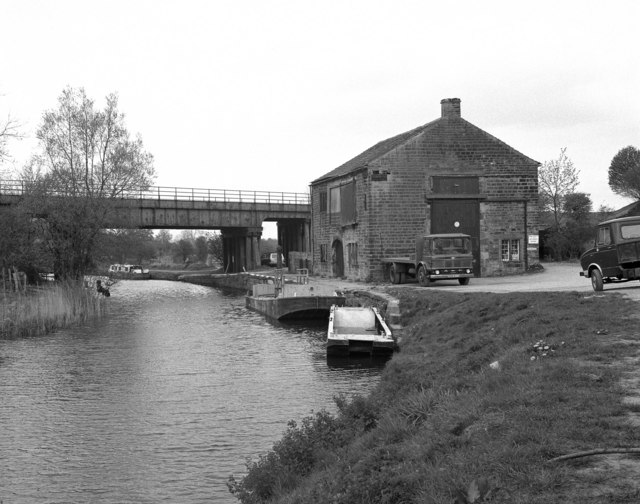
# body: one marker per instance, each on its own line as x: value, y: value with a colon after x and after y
x: 596, y: 280
x: 463, y: 281
x: 423, y: 278
x: 394, y: 275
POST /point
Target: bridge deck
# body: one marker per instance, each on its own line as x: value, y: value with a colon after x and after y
x: 19, y: 187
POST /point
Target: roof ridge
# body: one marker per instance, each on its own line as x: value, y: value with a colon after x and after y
x: 496, y: 139
x: 375, y: 151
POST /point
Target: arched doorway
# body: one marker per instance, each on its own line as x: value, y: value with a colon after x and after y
x: 337, y: 258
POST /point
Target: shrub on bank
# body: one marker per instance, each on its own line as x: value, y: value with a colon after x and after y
x: 463, y: 402
x: 45, y: 309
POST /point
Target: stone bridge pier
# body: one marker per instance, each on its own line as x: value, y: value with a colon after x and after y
x: 241, y: 248
x: 294, y: 236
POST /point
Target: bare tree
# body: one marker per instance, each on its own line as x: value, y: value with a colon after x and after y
x: 9, y: 130
x: 87, y: 159
x: 557, y: 179
x: 90, y: 152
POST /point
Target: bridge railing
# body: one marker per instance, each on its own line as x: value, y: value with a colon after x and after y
x: 19, y: 187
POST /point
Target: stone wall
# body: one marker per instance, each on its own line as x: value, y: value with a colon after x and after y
x: 393, y: 191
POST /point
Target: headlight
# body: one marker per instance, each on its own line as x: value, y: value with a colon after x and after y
x: 468, y: 271
x: 437, y: 272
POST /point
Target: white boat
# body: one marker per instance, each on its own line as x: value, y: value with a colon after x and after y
x: 358, y: 330
x: 128, y: 271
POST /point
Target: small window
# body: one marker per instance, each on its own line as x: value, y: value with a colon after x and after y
x: 323, y: 201
x: 352, y: 253
x: 323, y: 252
x: 510, y: 250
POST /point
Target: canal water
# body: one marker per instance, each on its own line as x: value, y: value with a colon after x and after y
x: 160, y: 400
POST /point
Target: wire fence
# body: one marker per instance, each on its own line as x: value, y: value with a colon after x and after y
x: 19, y: 187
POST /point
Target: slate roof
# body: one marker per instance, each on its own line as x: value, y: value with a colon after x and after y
x: 385, y: 146
x: 632, y: 209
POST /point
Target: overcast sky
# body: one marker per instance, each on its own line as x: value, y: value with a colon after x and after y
x: 269, y: 95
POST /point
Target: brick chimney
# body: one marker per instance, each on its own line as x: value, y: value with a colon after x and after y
x: 450, y: 107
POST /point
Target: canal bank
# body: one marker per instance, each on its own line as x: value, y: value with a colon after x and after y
x: 356, y: 293
x: 501, y: 397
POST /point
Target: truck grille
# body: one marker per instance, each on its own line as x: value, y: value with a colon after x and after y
x: 456, y: 262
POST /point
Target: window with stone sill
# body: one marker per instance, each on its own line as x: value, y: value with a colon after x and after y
x: 510, y: 250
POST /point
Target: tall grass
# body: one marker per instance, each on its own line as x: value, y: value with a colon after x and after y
x: 45, y: 309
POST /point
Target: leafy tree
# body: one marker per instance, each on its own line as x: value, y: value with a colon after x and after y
x: 18, y: 246
x: 126, y: 245
x: 86, y: 159
x: 578, y: 229
x: 163, y: 242
x: 201, y: 248
x: 185, y: 249
x: 624, y: 173
x: 215, y: 247
x: 577, y: 207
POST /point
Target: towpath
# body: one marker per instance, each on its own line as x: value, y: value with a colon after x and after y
x: 564, y: 276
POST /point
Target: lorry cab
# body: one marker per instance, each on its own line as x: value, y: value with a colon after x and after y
x: 445, y: 256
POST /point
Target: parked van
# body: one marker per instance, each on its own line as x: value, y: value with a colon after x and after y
x: 273, y: 259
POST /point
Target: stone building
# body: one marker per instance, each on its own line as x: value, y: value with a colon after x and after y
x: 446, y: 176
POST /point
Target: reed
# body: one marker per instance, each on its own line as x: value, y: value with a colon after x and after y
x: 42, y: 310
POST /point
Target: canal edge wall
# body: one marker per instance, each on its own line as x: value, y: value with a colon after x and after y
x: 387, y: 305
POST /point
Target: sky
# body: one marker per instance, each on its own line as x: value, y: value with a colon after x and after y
x: 269, y: 95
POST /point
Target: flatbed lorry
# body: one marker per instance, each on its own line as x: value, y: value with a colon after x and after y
x: 437, y: 257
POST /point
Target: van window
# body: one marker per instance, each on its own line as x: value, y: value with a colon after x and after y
x: 630, y: 230
x: 604, y: 236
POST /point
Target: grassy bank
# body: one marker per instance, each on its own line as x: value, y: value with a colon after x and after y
x: 486, y: 390
x: 46, y: 309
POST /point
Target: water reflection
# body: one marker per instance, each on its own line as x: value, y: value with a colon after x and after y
x: 358, y: 361
x: 161, y: 400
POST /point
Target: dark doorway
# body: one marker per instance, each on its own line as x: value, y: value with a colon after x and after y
x: 337, y: 259
x: 458, y: 216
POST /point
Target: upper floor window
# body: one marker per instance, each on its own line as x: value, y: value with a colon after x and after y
x: 323, y: 201
x: 335, y: 199
x: 342, y: 201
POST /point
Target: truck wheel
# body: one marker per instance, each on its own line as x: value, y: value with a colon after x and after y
x: 596, y: 280
x: 394, y: 275
x: 463, y: 281
x: 423, y: 278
